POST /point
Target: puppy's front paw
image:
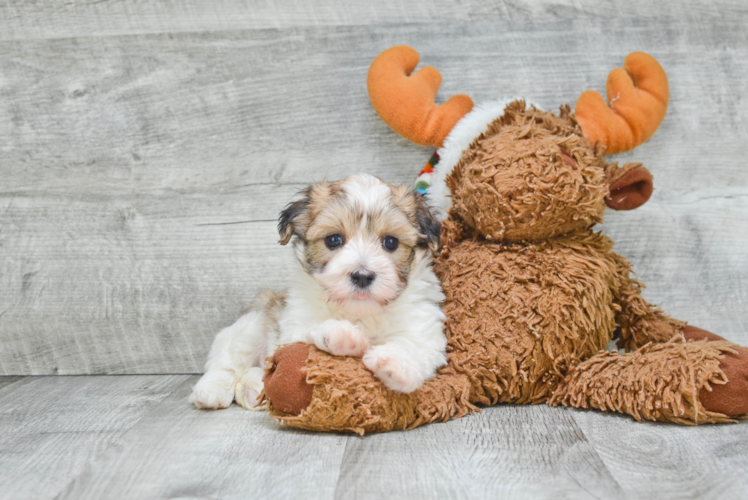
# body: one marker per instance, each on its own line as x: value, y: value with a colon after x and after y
x: 388, y: 367
x: 248, y: 390
x: 340, y: 338
x: 214, y: 390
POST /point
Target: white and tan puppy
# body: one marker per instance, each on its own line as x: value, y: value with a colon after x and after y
x: 364, y: 287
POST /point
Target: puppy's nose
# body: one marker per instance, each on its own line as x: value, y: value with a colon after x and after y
x: 362, y: 280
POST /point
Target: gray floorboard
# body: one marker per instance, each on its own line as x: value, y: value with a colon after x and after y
x: 665, y: 461
x: 504, y: 452
x: 6, y: 381
x: 178, y: 451
x: 517, y: 452
x: 52, y: 427
x: 137, y: 437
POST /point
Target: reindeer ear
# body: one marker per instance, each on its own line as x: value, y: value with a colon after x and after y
x: 427, y: 223
x: 630, y: 186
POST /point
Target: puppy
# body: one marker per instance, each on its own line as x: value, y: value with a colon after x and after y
x: 364, y: 287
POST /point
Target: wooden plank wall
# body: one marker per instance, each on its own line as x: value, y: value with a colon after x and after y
x: 146, y: 149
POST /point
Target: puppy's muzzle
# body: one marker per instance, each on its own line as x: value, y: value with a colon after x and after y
x: 362, y: 279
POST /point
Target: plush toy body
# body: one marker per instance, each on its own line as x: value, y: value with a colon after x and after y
x: 533, y: 293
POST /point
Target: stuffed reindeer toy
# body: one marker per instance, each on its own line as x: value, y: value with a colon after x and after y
x: 534, y: 293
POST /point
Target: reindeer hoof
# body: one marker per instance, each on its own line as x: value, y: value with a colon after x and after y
x: 730, y: 398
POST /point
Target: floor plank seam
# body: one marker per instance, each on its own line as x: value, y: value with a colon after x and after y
x: 11, y: 384
x: 597, y: 453
x: 340, y: 469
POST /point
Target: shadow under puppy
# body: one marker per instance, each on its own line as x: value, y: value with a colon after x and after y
x: 364, y: 287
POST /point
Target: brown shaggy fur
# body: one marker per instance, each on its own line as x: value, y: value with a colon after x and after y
x: 530, y: 176
x: 533, y: 296
x: 657, y: 382
x: 520, y: 315
x: 347, y: 397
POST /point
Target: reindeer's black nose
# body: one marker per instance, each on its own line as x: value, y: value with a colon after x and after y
x: 362, y: 280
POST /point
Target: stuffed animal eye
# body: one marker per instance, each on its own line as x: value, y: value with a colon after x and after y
x: 390, y: 243
x: 334, y: 241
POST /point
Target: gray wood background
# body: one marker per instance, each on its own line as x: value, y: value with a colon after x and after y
x: 146, y: 149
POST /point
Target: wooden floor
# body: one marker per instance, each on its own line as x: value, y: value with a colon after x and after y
x: 135, y: 436
x: 146, y: 148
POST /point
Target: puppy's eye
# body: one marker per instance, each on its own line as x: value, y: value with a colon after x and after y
x: 390, y: 243
x: 334, y: 241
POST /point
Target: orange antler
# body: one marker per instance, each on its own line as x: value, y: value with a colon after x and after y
x: 638, y: 100
x: 405, y: 102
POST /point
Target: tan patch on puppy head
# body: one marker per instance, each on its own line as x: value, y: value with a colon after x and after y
x: 414, y: 206
x: 334, y: 216
x: 296, y: 217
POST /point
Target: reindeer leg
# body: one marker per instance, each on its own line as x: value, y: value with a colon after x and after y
x: 311, y: 389
x: 689, y: 382
x: 639, y: 322
x: 730, y: 398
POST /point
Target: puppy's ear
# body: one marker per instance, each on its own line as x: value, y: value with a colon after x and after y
x: 288, y: 222
x: 296, y: 217
x: 430, y: 228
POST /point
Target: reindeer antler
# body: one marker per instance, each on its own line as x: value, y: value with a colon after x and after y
x: 638, y: 100
x: 405, y: 102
